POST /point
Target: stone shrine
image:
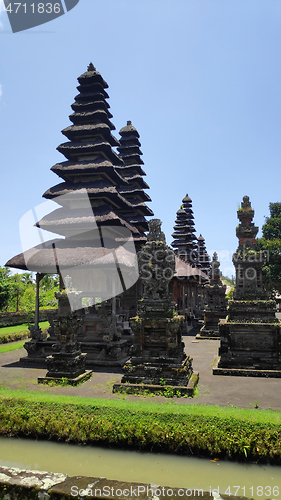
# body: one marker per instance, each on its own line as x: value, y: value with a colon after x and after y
x: 216, y: 303
x: 158, y: 357
x: 250, y: 337
x: 67, y: 361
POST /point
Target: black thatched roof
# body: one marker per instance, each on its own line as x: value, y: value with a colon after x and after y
x: 187, y: 199
x: 74, y: 149
x: 184, y: 269
x: 95, y: 190
x: 89, y: 116
x: 92, y: 76
x: 185, y: 238
x: 94, y: 168
x: 203, y: 257
x: 129, y: 130
x: 78, y: 220
x: 64, y: 254
x: 129, y: 151
x: 127, y: 170
x: 135, y: 192
x: 75, y: 132
x: 87, y: 104
x: 69, y: 170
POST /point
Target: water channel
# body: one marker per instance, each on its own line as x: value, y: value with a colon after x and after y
x: 250, y: 480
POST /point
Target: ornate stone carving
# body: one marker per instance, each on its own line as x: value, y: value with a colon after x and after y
x: 216, y: 302
x: 158, y: 351
x: 155, y: 233
x: 67, y: 359
x: 251, y: 336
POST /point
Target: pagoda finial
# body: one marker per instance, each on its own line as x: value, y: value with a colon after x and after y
x: 91, y: 67
x: 246, y: 202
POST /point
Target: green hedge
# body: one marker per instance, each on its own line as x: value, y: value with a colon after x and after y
x: 11, y: 337
x: 170, y: 427
x: 19, y: 332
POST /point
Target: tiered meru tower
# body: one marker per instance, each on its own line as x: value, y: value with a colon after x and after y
x: 101, y: 206
x: 185, y: 242
x: 251, y: 336
x: 90, y: 164
x: 132, y: 172
x: 203, y: 256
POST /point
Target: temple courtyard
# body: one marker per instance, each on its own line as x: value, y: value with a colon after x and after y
x: 242, y: 392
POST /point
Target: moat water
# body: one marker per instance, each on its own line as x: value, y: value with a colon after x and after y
x: 250, y: 480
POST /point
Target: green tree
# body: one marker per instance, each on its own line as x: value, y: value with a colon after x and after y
x: 271, y: 242
x: 6, y: 290
x: 19, y: 283
x: 48, y: 286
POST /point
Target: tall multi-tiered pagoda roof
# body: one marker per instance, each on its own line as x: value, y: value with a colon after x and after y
x: 132, y: 172
x: 185, y: 242
x: 90, y: 161
x: 90, y: 178
x: 203, y: 257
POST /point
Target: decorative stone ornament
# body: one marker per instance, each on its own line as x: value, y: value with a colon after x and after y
x: 216, y: 303
x: 67, y: 361
x: 158, y: 359
x: 250, y: 336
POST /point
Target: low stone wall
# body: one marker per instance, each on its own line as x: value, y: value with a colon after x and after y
x: 20, y: 317
x: 21, y: 484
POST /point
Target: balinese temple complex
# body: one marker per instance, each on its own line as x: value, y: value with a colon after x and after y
x: 101, y: 222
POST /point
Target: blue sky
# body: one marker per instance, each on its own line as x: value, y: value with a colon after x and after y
x: 200, y: 80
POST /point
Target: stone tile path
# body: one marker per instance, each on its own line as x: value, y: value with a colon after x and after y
x: 243, y: 392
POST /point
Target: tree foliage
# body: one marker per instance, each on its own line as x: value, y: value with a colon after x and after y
x: 6, y: 289
x: 271, y: 242
x: 18, y: 291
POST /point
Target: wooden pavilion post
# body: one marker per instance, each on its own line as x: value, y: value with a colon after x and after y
x: 39, y: 276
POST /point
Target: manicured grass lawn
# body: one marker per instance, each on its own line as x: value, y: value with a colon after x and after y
x: 21, y: 328
x: 12, y: 346
x: 241, y: 434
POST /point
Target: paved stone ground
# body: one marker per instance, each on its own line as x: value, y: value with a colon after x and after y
x: 243, y: 392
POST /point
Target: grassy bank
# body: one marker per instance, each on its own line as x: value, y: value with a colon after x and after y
x: 12, y: 346
x: 18, y: 332
x: 239, y: 434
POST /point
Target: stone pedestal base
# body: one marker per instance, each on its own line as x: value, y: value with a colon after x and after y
x: 66, y: 362
x: 166, y: 390
x: 99, y: 353
x: 157, y: 371
x: 250, y: 346
x: 104, y: 353
x: 208, y: 332
x: 37, y: 351
x: 71, y: 381
x: 210, y: 329
x: 244, y: 372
